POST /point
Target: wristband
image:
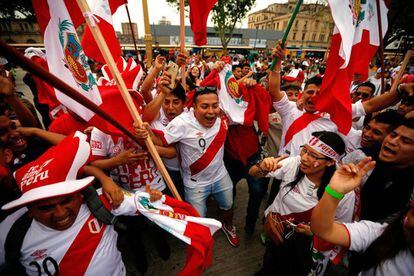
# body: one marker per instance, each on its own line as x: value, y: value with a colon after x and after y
x: 333, y: 193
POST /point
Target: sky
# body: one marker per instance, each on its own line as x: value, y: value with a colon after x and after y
x: 159, y: 8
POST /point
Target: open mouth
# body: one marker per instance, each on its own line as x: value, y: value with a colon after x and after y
x: 210, y: 120
x: 386, y: 151
x: 365, y: 141
x: 19, y: 142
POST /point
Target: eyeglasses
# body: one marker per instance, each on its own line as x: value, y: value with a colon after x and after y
x: 11, y: 126
x: 304, y: 150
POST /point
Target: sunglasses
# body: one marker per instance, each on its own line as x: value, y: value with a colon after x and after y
x: 362, y: 95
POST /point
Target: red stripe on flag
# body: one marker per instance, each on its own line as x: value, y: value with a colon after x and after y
x: 79, y: 255
x: 299, y: 124
x: 211, y: 151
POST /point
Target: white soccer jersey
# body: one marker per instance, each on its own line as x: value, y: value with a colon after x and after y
x: 362, y: 234
x: 134, y: 176
x: 290, y: 113
x: 299, y: 202
x: 88, y: 247
x: 159, y: 124
x: 201, y: 149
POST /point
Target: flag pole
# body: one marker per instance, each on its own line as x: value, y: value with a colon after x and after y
x: 381, y: 47
x: 404, y: 65
x: 148, y: 37
x: 55, y: 82
x: 286, y: 33
x: 103, y: 47
x: 182, y: 42
x: 132, y: 30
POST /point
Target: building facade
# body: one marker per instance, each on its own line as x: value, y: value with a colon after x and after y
x: 312, y: 27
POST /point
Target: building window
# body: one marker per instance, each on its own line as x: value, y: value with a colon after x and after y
x: 294, y: 36
x: 296, y: 23
x: 306, y: 24
x: 277, y: 26
x: 303, y: 36
x: 321, y: 37
x: 314, y: 37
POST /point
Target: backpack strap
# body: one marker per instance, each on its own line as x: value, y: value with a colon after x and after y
x: 14, y: 242
x: 98, y: 209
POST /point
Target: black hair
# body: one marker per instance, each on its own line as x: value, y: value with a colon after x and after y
x: 367, y: 84
x: 204, y: 90
x: 408, y: 100
x: 389, y: 117
x: 245, y: 64
x: 408, y: 122
x: 337, y: 144
x: 316, y: 80
x: 386, y: 246
x: 179, y: 92
x: 236, y: 66
x: 291, y: 87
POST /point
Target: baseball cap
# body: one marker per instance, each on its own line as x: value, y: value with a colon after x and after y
x: 54, y: 173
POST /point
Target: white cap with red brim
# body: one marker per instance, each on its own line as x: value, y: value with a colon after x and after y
x: 54, y: 173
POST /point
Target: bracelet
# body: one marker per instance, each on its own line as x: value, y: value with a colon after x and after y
x: 333, y: 193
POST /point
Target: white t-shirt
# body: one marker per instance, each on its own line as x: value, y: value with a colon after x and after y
x: 289, y: 113
x: 377, y: 83
x: 133, y: 176
x: 201, y: 158
x: 299, y: 202
x: 88, y: 247
x: 362, y: 234
x: 159, y: 124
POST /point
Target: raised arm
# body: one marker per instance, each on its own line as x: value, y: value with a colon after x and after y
x: 345, y: 180
x: 48, y: 136
x: 274, y: 76
x: 148, y: 83
x: 7, y: 91
x: 387, y: 99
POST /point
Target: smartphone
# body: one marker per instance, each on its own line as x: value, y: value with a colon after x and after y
x: 173, y: 71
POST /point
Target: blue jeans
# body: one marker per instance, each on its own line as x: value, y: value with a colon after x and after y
x: 221, y: 190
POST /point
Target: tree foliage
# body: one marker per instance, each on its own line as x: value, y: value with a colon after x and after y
x: 226, y: 15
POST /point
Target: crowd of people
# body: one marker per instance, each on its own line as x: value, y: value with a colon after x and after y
x: 333, y: 198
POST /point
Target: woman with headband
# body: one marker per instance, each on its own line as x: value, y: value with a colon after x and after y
x: 304, y: 180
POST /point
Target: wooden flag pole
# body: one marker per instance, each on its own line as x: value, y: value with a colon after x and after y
x: 289, y: 26
x: 182, y: 42
x: 148, y: 37
x: 132, y: 30
x: 381, y: 47
x: 100, y: 41
x: 38, y: 71
x: 404, y: 65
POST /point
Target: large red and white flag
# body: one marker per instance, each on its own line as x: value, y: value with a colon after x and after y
x: 66, y: 59
x: 183, y: 221
x: 243, y: 105
x: 199, y: 11
x: 102, y: 10
x: 354, y: 42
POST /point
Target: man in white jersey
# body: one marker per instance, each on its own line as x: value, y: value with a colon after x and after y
x: 298, y: 125
x: 200, y: 134
x: 63, y: 236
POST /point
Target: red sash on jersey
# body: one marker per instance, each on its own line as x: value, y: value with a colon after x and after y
x: 299, y: 124
x: 211, y: 151
x: 80, y: 253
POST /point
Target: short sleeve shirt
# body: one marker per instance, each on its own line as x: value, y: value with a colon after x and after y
x: 197, y: 144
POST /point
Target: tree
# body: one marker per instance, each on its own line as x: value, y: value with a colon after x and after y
x: 226, y: 15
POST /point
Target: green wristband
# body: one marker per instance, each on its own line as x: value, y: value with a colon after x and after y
x: 333, y: 193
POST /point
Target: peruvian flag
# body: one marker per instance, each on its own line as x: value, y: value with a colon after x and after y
x: 243, y: 105
x: 183, y: 221
x: 199, y: 11
x: 102, y: 10
x: 66, y: 59
x: 354, y: 42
